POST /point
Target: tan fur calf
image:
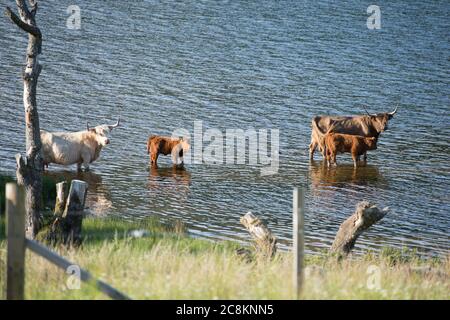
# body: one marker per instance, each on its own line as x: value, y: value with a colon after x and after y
x: 340, y: 143
x: 157, y: 145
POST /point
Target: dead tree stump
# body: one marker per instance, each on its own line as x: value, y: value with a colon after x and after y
x: 61, y: 195
x: 73, y: 214
x: 366, y: 214
x: 265, y: 242
x: 60, y: 205
x: 69, y: 213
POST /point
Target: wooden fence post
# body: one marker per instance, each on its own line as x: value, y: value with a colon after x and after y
x: 61, y: 195
x: 15, y: 230
x: 298, y: 205
x: 73, y: 213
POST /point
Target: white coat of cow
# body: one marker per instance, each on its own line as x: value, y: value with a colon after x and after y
x: 82, y: 147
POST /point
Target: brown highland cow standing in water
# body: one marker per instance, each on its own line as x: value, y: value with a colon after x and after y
x: 167, y: 145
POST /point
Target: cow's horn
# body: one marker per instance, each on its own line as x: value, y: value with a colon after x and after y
x: 115, y: 125
x: 393, y: 112
x: 366, y: 111
x: 87, y: 125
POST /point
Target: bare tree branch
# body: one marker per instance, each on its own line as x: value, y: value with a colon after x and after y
x: 23, y: 25
x: 34, y: 7
x: 24, y: 13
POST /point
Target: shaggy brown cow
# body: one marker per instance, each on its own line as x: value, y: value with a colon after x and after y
x: 340, y: 143
x: 157, y: 145
x: 370, y: 125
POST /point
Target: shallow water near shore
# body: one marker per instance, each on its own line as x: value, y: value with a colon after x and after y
x: 247, y: 65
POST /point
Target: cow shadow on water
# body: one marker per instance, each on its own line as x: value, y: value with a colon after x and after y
x: 322, y: 176
x: 98, y: 198
x: 175, y: 178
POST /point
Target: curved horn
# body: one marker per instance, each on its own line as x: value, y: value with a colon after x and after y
x: 115, y: 125
x: 366, y: 111
x: 87, y: 126
x: 393, y: 112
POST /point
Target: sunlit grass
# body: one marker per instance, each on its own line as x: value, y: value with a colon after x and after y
x: 167, y: 264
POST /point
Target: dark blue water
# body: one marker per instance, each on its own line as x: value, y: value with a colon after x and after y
x: 242, y: 64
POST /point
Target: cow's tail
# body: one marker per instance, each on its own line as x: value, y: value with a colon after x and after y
x: 319, y: 134
x: 330, y: 129
x: 148, y: 144
x: 316, y: 127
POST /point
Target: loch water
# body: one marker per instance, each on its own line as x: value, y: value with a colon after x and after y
x: 239, y: 65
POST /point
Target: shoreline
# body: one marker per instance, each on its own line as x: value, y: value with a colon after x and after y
x: 49, y: 194
x: 168, y: 264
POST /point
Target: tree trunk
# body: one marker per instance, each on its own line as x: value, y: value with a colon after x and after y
x: 366, y: 214
x: 30, y: 166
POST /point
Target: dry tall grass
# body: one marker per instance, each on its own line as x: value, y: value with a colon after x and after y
x: 165, y: 265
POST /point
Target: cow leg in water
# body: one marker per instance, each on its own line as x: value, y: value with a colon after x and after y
x: 333, y: 156
x: 355, y: 160
x: 365, y: 156
x: 312, y: 149
x: 174, y: 156
x: 180, y: 154
x: 79, y: 167
x: 323, y: 150
x: 154, y: 159
x: 328, y: 157
x: 86, y: 160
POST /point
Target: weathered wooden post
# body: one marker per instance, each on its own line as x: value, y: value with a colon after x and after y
x: 73, y: 213
x: 15, y: 230
x: 265, y: 241
x: 61, y: 195
x: 298, y: 205
x: 69, y: 213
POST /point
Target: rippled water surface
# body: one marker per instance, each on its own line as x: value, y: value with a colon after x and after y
x: 247, y: 64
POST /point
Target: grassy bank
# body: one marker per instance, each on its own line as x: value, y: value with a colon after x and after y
x: 167, y: 264
x: 48, y: 190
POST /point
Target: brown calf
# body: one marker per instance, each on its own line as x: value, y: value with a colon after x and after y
x: 166, y: 145
x: 340, y: 143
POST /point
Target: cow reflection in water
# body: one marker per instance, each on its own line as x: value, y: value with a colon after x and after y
x: 98, y: 199
x: 322, y: 176
x: 174, y: 179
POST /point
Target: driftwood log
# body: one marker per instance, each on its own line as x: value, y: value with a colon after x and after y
x: 69, y: 213
x: 366, y: 214
x: 265, y: 241
x: 29, y: 167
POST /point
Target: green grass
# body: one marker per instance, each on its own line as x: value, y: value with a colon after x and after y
x: 168, y: 264
x: 48, y: 191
